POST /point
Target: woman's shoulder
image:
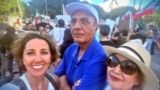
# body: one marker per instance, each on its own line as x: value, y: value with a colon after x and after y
x: 108, y: 87
x: 15, y: 84
x: 9, y: 86
x: 52, y: 83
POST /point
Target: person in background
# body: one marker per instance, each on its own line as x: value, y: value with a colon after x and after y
x: 114, y: 38
x: 67, y: 41
x: 104, y: 32
x: 5, y: 46
x: 149, y: 35
x: 158, y: 43
x: 84, y: 60
x: 152, y: 50
x: 128, y: 68
x: 49, y: 28
x: 123, y: 37
x: 58, y: 32
x: 34, y: 54
x: 139, y: 37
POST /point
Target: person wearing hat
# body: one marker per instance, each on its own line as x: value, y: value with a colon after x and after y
x: 128, y: 68
x: 84, y: 60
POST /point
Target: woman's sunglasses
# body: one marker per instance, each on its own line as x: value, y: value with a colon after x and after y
x: 127, y: 66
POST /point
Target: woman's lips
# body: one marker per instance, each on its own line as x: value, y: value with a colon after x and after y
x: 114, y: 78
x: 37, y: 67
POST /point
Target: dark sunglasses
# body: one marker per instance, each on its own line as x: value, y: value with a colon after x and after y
x: 83, y: 21
x: 127, y: 66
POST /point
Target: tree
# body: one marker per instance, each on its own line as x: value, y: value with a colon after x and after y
x: 152, y: 18
x: 99, y: 10
x: 65, y: 2
x: 54, y: 7
x: 4, y: 6
x: 4, y: 9
x: 10, y: 8
x: 120, y: 11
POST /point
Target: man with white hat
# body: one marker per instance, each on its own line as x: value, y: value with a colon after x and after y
x: 83, y: 61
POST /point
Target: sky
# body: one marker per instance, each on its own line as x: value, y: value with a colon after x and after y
x: 26, y: 1
x: 105, y: 5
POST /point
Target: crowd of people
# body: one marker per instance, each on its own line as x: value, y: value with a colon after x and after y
x: 115, y: 61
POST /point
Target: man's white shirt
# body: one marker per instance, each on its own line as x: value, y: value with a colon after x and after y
x: 57, y: 34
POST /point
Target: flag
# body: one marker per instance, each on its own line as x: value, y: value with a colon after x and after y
x: 131, y: 21
x: 117, y: 20
x: 145, y: 11
x: 36, y: 19
x: 63, y: 10
x: 150, y: 9
x: 127, y: 15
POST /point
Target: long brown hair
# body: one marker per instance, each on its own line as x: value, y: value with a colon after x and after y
x: 20, y: 43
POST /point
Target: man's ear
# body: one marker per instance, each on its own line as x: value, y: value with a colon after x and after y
x: 97, y: 26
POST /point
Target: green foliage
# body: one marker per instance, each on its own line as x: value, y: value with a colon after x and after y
x: 100, y: 11
x: 4, y: 9
x: 120, y: 11
x: 54, y: 7
x: 153, y: 18
x: 65, y: 2
x: 114, y: 13
x: 10, y: 8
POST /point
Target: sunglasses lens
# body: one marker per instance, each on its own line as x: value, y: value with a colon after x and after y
x: 73, y: 21
x: 84, y: 21
x: 113, y: 61
x: 128, y: 67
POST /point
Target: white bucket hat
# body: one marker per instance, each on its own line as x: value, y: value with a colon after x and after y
x: 138, y: 54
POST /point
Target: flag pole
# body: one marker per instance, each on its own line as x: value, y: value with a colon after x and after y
x: 19, y: 8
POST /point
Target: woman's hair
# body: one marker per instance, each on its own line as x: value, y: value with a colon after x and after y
x: 140, y: 77
x: 20, y: 44
x: 10, y: 30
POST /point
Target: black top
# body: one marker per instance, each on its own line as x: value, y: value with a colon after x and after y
x: 67, y: 41
x: 108, y: 43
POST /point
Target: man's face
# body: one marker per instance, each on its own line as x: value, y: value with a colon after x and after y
x: 83, y: 27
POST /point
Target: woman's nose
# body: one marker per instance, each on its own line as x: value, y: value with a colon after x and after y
x: 117, y: 69
x: 38, y: 58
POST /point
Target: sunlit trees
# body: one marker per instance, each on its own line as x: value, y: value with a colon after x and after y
x: 53, y: 7
x: 153, y: 18
x: 11, y: 8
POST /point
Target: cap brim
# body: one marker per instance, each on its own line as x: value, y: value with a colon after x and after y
x: 71, y: 8
x: 151, y: 81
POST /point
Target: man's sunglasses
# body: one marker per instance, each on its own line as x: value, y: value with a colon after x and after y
x: 127, y: 66
x: 83, y: 21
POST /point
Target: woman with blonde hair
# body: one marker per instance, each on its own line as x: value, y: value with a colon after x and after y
x: 128, y: 68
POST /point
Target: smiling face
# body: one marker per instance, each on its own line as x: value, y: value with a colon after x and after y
x: 36, y: 57
x: 83, y: 27
x: 118, y: 79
